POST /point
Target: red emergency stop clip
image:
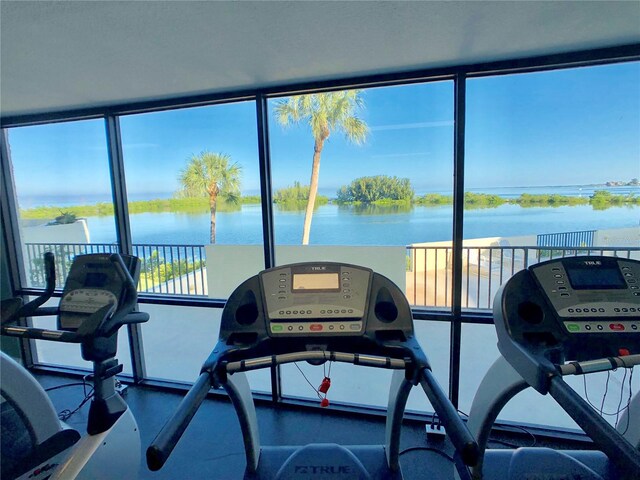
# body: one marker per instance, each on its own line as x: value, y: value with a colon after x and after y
x: 325, y: 385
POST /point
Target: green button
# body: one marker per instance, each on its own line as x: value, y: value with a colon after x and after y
x: 276, y: 328
x: 572, y: 327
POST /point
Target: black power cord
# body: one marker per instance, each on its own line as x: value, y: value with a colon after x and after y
x: 428, y: 449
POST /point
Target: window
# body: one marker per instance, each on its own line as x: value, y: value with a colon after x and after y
x: 383, y: 165
x: 63, y: 196
x: 551, y: 169
x: 193, y: 186
x: 63, y: 191
x: 172, y: 161
x: 384, y: 182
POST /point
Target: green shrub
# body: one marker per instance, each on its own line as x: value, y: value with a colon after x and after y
x: 548, y: 200
x: 296, y: 197
x: 379, y: 189
x: 433, y: 199
x: 482, y: 200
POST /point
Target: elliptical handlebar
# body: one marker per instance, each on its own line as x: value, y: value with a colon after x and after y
x: 124, y: 314
x: 131, y: 295
x: 14, y: 308
x: 89, y: 325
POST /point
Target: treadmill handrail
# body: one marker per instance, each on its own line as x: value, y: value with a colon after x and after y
x: 167, y: 439
x: 599, y: 365
x: 606, y: 437
x: 457, y: 431
x: 315, y: 355
x: 504, y: 383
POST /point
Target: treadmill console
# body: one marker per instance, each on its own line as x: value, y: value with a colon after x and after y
x: 577, y: 308
x: 592, y: 295
x: 92, y: 283
x: 312, y: 299
x: 315, y: 303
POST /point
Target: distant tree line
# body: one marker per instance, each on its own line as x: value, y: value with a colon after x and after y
x: 373, y: 190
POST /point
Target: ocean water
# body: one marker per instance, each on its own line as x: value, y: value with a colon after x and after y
x: 349, y: 225
x: 333, y: 225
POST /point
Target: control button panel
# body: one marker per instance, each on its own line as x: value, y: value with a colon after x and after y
x: 77, y: 305
x: 582, y: 288
x: 86, y: 300
x: 603, y: 327
x: 311, y: 328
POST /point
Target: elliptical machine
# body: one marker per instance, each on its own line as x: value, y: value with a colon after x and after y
x: 316, y: 312
x: 570, y: 316
x: 98, y: 298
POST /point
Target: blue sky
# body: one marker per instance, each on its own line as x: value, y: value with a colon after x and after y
x: 565, y: 127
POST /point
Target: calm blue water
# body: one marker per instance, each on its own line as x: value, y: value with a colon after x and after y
x: 334, y: 225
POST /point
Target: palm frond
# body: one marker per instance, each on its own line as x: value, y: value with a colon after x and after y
x: 325, y: 112
x: 355, y: 130
x: 208, y: 172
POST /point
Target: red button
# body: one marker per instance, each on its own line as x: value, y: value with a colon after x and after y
x: 616, y: 326
x: 623, y: 352
x: 315, y: 327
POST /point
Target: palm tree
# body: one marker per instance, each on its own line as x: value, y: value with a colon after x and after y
x: 212, y: 175
x: 324, y: 112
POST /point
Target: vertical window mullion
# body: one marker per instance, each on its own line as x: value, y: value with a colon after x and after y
x: 458, y: 215
x: 123, y: 230
x: 268, y: 235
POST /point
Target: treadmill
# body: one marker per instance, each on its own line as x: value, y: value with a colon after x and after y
x: 316, y: 312
x: 569, y: 316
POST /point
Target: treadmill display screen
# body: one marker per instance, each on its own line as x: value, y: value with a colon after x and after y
x: 316, y: 282
x: 600, y: 278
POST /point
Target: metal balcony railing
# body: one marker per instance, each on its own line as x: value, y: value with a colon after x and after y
x: 565, y: 239
x: 484, y: 269
x: 181, y: 269
x: 164, y: 269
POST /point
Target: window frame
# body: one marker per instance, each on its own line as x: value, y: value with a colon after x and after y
x: 456, y: 316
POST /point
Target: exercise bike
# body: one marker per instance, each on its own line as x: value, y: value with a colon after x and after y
x: 316, y: 312
x: 570, y: 316
x: 98, y: 298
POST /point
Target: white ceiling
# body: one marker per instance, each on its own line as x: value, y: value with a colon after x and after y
x: 72, y: 54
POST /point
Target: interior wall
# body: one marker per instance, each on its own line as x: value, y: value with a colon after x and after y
x: 10, y: 346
